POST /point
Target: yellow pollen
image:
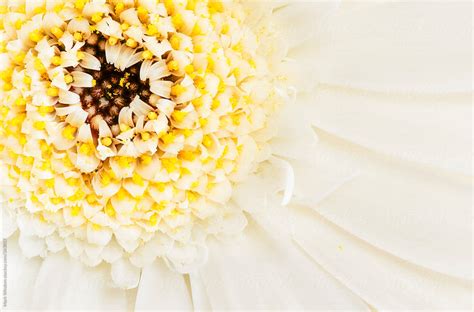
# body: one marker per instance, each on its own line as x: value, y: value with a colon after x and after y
x: 199, y: 82
x: 196, y: 30
x: 7, y: 86
x: 56, y: 200
x: 105, y: 179
x: 169, y: 4
x: 79, y: 4
x: 77, y: 196
x: 58, y: 8
x: 91, y: 198
x: 124, y: 127
x: 69, y: 132
x: 215, y: 6
x: 106, y: 141
x: 124, y: 26
x: 220, y: 163
x: 39, y: 66
x: 121, y: 194
x: 131, y: 43
x: 28, y: 160
x: 109, y: 210
x: 177, y: 20
x: 179, y: 115
x: 119, y: 7
x: 221, y: 88
x: 177, y: 90
x: 198, y: 48
x: 145, y: 136
x: 187, y: 132
x: 57, y: 32
x: 19, y: 57
x: 6, y: 75
x: 96, y: 17
x: 35, y: 36
x: 147, y: 55
x: 170, y: 164
x: 203, y: 122
x: 236, y: 120
x: 56, y: 60
x: 21, y: 9
x: 233, y: 101
x: 27, y: 80
x: 191, y: 5
x: 173, y: 65
x: 198, y: 102
x: 85, y: 149
x: 162, y: 204
x: 137, y: 179
x: 225, y: 29
x: 75, y: 211
x: 153, y: 220
x: 192, y: 196
x: 189, y: 69
x: 152, y: 115
x: 167, y: 138
x: 44, y: 147
x: 71, y: 181
x: 146, y: 159
x: 142, y: 14
x: 68, y: 78
x: 152, y: 30
x: 113, y: 41
x: 124, y: 162
x: 34, y: 199
x: 207, y: 141
x: 39, y: 125
x: 215, y: 104
x: 80, y: 55
x: 78, y: 36
x: 175, y: 42
x: 4, y: 110
x: 175, y: 212
x: 20, y: 101
x: 187, y: 155
x: 52, y: 91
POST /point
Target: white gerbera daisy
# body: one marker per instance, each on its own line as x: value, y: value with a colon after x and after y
x: 201, y: 154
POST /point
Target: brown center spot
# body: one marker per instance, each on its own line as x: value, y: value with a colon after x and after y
x: 113, y: 90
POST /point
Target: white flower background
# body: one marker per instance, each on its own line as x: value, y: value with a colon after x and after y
x: 379, y: 138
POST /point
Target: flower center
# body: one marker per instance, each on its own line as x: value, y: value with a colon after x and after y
x: 113, y: 88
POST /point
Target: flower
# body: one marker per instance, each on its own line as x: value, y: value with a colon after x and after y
x: 375, y: 179
x: 140, y: 129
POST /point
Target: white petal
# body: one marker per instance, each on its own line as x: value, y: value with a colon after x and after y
x: 139, y: 107
x: 99, y: 236
x: 81, y: 79
x: 31, y: 246
x: 159, y: 286
x: 68, y: 97
x: 161, y: 88
x: 124, y: 274
x: 90, y: 62
x: 221, y: 191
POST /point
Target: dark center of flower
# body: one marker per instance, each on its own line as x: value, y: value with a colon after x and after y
x: 113, y: 90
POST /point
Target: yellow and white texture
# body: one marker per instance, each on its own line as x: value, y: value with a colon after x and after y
x: 126, y: 124
x: 370, y: 150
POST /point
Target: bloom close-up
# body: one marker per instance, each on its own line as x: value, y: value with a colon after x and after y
x: 215, y: 155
